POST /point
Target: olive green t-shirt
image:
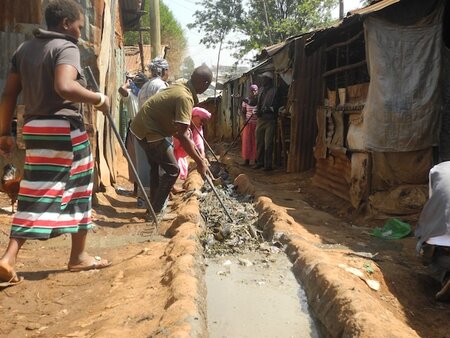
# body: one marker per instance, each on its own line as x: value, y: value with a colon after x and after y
x: 158, y: 116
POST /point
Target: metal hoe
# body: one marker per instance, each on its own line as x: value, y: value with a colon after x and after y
x: 211, y: 184
x: 93, y: 83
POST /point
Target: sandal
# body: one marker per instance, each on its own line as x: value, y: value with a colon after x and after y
x: 98, y: 263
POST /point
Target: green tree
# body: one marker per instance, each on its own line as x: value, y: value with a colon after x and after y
x: 262, y: 22
x: 216, y: 21
x: 172, y: 35
x: 267, y: 22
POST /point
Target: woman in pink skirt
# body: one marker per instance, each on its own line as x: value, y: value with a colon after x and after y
x: 248, y: 134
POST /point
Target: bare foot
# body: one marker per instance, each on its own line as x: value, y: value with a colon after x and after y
x: 90, y: 263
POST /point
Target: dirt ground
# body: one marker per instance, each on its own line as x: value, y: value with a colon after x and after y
x: 143, y: 293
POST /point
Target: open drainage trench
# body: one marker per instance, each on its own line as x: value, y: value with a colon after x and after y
x: 251, y: 289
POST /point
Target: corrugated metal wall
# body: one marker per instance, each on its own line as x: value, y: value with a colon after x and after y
x: 17, y: 21
x: 305, y: 95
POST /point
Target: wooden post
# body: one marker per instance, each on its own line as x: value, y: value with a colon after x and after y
x: 155, y: 28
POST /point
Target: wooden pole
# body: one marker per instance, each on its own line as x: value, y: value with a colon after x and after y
x: 155, y: 28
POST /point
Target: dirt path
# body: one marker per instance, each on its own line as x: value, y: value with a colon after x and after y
x: 155, y: 287
x: 326, y: 223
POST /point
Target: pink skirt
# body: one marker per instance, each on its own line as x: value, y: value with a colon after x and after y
x: 249, y: 142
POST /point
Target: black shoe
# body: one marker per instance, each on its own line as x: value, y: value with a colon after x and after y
x: 246, y: 163
x: 268, y: 169
x: 258, y: 166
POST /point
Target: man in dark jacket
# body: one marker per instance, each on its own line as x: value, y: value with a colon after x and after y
x: 266, y: 111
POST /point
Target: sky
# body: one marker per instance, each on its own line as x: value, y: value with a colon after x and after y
x: 183, y: 11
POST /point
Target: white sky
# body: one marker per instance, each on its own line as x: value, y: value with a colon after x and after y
x: 183, y: 11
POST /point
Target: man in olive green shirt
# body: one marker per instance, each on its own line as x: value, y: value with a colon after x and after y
x: 167, y: 114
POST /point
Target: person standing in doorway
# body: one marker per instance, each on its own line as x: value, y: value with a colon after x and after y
x: 248, y: 134
x: 266, y: 111
x: 56, y: 191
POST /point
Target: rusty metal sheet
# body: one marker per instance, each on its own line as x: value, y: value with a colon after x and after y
x: 9, y: 42
x: 305, y: 96
x: 334, y: 175
x: 24, y: 11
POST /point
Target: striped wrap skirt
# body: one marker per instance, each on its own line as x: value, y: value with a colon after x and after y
x: 55, y: 194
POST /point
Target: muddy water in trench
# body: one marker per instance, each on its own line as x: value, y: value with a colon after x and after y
x: 255, y: 295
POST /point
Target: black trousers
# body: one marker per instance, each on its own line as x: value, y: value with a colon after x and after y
x: 164, y: 170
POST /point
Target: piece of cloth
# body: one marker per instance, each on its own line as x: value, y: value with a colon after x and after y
x: 403, y: 107
x: 443, y: 240
x: 150, y: 88
x: 132, y: 103
x: 197, y: 138
x: 265, y: 133
x: 158, y: 117
x: 266, y: 111
x: 56, y: 190
x: 433, y: 228
x: 136, y: 154
x: 434, y: 219
x: 249, y: 131
x: 164, y: 171
x: 180, y: 153
x: 47, y: 50
x: 249, y: 142
x: 201, y: 112
x: 181, y: 157
x: 249, y: 106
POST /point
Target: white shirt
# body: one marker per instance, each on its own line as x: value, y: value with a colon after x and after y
x: 131, y: 101
x: 150, y: 88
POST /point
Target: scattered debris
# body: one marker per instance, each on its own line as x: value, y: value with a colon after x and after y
x: 368, y: 255
x: 221, y: 236
x: 373, y: 284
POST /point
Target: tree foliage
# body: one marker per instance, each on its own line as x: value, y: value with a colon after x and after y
x: 217, y: 19
x: 261, y: 22
x: 172, y: 35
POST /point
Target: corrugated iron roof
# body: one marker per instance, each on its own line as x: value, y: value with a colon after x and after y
x: 131, y: 13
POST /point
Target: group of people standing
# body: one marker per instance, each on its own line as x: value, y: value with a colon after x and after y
x: 259, y: 110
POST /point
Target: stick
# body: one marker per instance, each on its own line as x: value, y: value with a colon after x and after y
x: 207, y: 144
x: 209, y: 178
x: 93, y: 83
x: 237, y: 137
